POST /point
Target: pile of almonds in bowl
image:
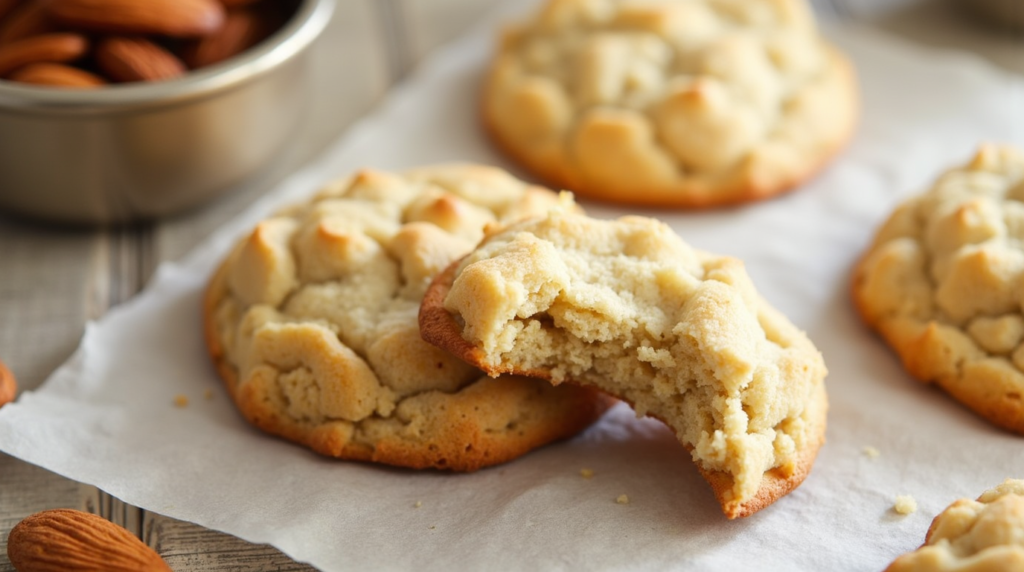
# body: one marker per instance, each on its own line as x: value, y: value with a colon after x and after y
x: 93, y: 43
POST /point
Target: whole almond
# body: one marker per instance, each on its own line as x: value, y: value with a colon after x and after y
x: 64, y: 540
x: 242, y: 30
x: 8, y: 386
x: 136, y: 59
x: 57, y: 75
x: 57, y: 47
x: 176, y: 18
x: 27, y: 19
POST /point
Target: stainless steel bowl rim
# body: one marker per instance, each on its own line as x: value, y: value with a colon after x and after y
x: 305, y: 26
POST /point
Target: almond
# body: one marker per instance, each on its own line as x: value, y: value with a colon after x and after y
x: 177, y: 18
x: 242, y: 30
x: 8, y: 386
x: 65, y: 540
x: 6, y: 6
x: 136, y: 59
x: 56, y: 47
x: 57, y: 75
x: 28, y: 19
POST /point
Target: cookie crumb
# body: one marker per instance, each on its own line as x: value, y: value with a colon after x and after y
x: 208, y: 394
x: 905, y: 504
x: 418, y: 504
x: 587, y: 473
x: 180, y: 400
x: 871, y: 452
x: 623, y: 499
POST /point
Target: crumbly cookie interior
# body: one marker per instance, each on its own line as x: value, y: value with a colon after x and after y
x: 628, y: 307
x: 974, y: 535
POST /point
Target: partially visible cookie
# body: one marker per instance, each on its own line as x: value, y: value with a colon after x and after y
x: 942, y: 282
x: 986, y: 535
x: 627, y: 307
x: 8, y: 386
x: 680, y: 103
x: 311, y: 322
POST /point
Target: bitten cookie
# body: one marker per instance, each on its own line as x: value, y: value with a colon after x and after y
x: 942, y: 283
x: 311, y: 322
x: 681, y: 103
x: 627, y: 307
x: 986, y: 535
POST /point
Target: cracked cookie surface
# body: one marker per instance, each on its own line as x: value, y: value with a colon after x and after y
x: 626, y: 306
x: 984, y: 535
x: 942, y: 283
x: 311, y: 323
x: 685, y: 103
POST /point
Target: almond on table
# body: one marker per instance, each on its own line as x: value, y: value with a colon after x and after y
x: 74, y: 541
x: 8, y: 386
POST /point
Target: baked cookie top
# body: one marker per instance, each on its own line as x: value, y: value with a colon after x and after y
x: 986, y: 535
x: 687, y: 103
x: 626, y: 306
x: 942, y: 283
x: 311, y: 321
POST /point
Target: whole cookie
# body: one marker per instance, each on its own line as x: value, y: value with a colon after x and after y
x: 311, y: 322
x: 986, y: 535
x: 627, y: 307
x: 942, y: 283
x: 682, y: 103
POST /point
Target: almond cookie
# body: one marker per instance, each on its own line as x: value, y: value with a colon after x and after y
x: 942, y: 284
x: 311, y: 322
x: 627, y: 307
x: 681, y: 103
x: 986, y: 535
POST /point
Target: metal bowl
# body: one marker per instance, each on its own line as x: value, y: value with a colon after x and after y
x: 139, y: 151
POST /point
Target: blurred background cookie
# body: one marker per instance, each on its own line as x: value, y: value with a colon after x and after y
x: 312, y: 323
x: 941, y: 283
x: 668, y: 102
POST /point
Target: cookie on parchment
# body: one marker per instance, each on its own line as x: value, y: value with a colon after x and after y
x: 680, y: 103
x: 627, y: 307
x: 311, y: 322
x: 986, y: 535
x: 942, y: 283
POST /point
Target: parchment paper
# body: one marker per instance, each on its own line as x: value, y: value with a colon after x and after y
x: 107, y: 416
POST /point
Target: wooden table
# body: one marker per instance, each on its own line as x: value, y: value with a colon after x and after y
x: 53, y: 280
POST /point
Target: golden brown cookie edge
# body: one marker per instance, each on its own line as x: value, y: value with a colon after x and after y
x: 1003, y: 413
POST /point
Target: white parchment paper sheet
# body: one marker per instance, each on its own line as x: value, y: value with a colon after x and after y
x: 107, y: 417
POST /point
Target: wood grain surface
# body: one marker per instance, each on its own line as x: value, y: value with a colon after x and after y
x: 53, y: 280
